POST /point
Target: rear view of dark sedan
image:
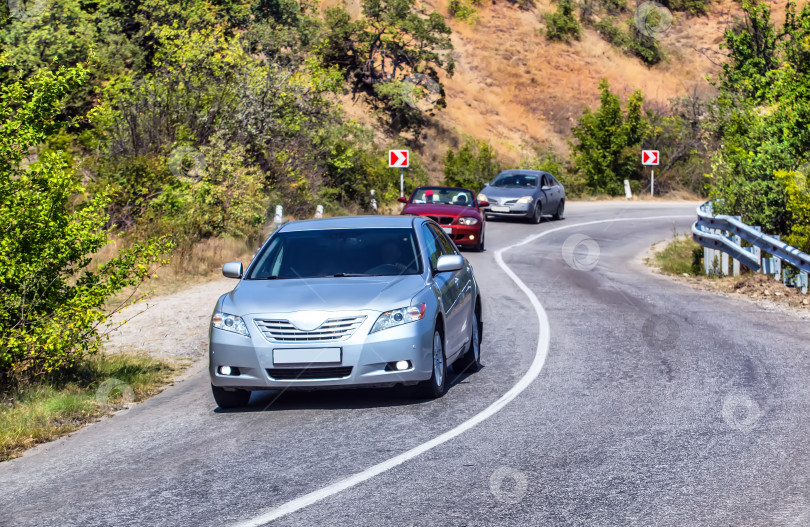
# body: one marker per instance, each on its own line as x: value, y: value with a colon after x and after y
x: 342, y: 302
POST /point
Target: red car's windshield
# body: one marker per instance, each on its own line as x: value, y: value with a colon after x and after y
x: 447, y: 196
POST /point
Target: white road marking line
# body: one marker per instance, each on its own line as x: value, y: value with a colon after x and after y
x: 524, y: 382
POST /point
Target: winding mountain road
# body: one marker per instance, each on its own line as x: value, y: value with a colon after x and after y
x: 631, y: 400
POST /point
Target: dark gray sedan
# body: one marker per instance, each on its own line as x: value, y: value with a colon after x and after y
x: 528, y: 194
x: 342, y: 302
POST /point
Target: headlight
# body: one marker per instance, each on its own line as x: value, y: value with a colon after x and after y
x: 526, y: 199
x: 482, y: 197
x: 467, y: 221
x: 397, y: 317
x: 230, y: 323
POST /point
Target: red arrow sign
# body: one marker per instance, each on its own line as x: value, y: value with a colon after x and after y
x: 398, y: 158
x: 649, y: 157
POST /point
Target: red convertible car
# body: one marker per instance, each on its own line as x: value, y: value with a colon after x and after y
x: 455, y: 209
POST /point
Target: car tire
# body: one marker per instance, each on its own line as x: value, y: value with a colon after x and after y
x: 470, y: 362
x: 436, y: 386
x: 538, y: 215
x: 230, y: 399
x: 560, y: 211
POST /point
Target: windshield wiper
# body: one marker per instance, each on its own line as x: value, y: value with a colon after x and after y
x: 271, y: 277
x: 351, y: 275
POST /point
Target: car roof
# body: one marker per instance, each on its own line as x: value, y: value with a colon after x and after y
x: 351, y: 222
x: 527, y: 172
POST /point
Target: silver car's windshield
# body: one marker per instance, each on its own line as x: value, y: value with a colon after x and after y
x: 338, y: 253
x: 516, y: 181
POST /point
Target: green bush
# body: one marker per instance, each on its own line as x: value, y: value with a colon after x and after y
x: 644, y: 47
x: 612, y: 33
x: 562, y: 24
x: 463, y: 10
x: 472, y: 166
x: 50, y: 302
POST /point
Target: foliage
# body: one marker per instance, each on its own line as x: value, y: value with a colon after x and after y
x: 390, y: 44
x: 798, y: 204
x: 608, y: 141
x: 610, y: 32
x: 50, y: 302
x: 693, y: 7
x: 645, y: 47
x: 463, y: 10
x: 353, y: 171
x: 562, y: 24
x: 475, y: 164
x: 762, y: 116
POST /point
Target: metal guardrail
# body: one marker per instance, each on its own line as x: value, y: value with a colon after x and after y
x: 710, y: 231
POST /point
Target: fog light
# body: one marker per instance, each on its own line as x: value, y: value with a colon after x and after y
x: 402, y: 365
x: 225, y: 370
x: 472, y: 236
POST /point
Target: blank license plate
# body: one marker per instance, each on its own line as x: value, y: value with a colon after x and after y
x: 448, y: 230
x: 499, y: 209
x: 307, y: 356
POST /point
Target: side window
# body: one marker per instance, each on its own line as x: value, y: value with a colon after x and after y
x: 448, y: 247
x: 544, y: 182
x: 432, y: 245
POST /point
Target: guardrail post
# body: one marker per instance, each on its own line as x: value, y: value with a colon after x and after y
x: 724, y: 264
x: 279, y: 211
x: 735, y: 264
x: 803, y: 282
x: 319, y: 211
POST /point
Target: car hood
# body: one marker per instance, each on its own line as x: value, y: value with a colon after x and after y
x: 499, y: 192
x: 440, y: 210
x: 378, y: 293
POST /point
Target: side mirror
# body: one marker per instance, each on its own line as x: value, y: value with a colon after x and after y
x: 545, y: 187
x: 232, y: 270
x: 483, y: 203
x: 402, y: 200
x: 449, y: 262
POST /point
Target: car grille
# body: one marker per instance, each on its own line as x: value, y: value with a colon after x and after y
x: 510, y: 202
x: 332, y: 330
x: 442, y: 220
x: 309, y: 373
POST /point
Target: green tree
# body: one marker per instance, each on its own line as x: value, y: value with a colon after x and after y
x: 608, y: 140
x: 50, y: 302
x: 386, y: 50
x: 475, y: 164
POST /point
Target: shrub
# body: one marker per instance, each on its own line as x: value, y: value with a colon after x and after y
x: 50, y: 302
x: 463, y: 10
x: 472, y: 166
x: 562, y: 24
x: 612, y: 33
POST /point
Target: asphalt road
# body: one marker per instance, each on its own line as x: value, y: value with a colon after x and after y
x: 656, y: 405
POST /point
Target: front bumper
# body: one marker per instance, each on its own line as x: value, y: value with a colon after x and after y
x: 510, y: 211
x: 363, y: 361
x: 461, y: 234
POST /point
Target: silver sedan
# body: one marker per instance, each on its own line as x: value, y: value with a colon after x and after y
x: 341, y: 302
x: 529, y: 194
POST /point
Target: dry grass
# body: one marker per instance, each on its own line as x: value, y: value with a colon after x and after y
x: 518, y: 91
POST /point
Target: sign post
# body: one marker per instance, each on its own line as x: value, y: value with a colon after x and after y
x: 651, y: 158
x: 399, y: 159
